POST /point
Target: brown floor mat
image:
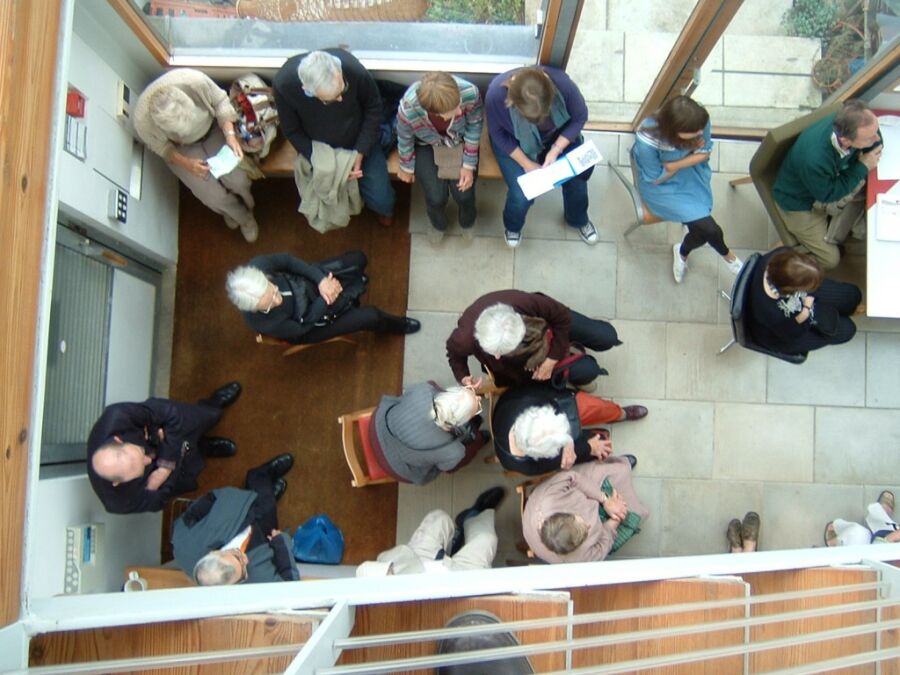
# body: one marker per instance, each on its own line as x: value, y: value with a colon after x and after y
x: 291, y: 404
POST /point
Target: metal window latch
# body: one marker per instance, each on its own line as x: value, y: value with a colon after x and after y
x: 538, y: 22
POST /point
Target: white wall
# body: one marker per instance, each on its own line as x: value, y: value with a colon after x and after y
x: 66, y: 501
x: 97, y: 60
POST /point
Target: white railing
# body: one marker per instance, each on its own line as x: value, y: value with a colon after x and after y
x: 340, y: 596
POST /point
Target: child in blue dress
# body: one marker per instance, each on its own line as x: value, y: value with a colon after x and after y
x: 671, y: 153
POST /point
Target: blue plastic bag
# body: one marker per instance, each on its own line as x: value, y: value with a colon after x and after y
x: 319, y: 540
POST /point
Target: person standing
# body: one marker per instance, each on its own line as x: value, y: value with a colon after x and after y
x: 671, y: 152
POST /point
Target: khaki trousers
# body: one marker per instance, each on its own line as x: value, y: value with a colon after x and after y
x: 229, y: 195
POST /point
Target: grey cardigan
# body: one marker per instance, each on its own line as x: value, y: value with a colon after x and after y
x: 414, y: 446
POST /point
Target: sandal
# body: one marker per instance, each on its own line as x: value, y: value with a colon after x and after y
x: 886, y: 499
x: 830, y: 535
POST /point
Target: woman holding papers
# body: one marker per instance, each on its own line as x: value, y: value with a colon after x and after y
x: 185, y: 118
x: 671, y: 154
x: 535, y: 115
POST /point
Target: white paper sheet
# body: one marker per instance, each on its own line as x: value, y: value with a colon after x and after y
x: 888, y: 218
x: 889, y: 164
x: 224, y: 161
x: 537, y: 182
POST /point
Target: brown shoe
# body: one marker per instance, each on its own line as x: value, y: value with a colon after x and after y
x: 750, y: 530
x: 733, y: 536
x: 886, y: 499
x: 634, y: 412
x: 386, y: 221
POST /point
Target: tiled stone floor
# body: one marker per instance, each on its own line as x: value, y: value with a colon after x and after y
x: 726, y: 434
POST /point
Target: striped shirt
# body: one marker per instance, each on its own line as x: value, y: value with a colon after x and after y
x: 413, y: 126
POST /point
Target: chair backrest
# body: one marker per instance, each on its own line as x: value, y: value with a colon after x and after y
x: 768, y: 157
x: 292, y: 348
x: 739, y: 293
x: 359, y: 455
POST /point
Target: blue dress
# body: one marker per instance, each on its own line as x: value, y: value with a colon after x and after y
x: 687, y: 195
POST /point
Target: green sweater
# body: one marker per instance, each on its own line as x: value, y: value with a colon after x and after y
x: 814, y: 171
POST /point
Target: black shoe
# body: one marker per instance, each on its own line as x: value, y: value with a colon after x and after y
x: 226, y: 395
x: 280, y: 465
x: 485, y: 437
x: 279, y: 488
x: 214, y: 446
x: 489, y: 499
x: 412, y: 326
x: 631, y: 460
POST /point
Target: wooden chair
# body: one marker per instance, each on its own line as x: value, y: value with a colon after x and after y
x: 643, y: 214
x: 767, y: 160
x: 360, y: 457
x: 293, y: 349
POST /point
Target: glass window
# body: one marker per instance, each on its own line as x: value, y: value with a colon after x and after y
x: 619, y: 47
x: 781, y: 58
x: 484, y: 31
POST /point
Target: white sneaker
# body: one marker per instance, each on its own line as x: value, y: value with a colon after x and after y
x: 735, y: 265
x: 435, y: 237
x: 589, y: 233
x: 513, y: 239
x: 468, y: 233
x: 231, y: 223
x: 250, y: 230
x: 679, y: 264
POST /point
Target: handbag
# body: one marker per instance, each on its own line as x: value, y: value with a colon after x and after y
x: 559, y: 378
x: 257, y: 121
x: 319, y: 540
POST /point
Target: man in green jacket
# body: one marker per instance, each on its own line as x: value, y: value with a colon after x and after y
x: 819, y: 185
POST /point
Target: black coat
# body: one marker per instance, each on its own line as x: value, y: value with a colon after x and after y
x: 139, y: 423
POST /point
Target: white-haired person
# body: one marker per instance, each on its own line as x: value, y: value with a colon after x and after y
x: 538, y: 429
x: 522, y: 336
x: 186, y: 118
x: 880, y: 527
x: 426, y: 431
x: 438, y: 131
x: 584, y: 514
x: 284, y: 297
x: 328, y: 96
x: 230, y: 536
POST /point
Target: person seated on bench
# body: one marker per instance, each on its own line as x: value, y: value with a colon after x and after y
x: 538, y: 428
x: 818, y: 189
x: 230, y: 536
x: 534, y: 115
x: 671, y: 152
x: 794, y: 308
x: 584, y: 514
x: 186, y: 118
x: 328, y: 96
x: 438, y: 130
x: 427, y: 430
x: 303, y: 303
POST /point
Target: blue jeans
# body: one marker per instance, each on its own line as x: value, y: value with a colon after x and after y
x: 375, y: 185
x: 575, y: 195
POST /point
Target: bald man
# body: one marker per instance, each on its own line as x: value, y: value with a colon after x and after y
x: 140, y: 455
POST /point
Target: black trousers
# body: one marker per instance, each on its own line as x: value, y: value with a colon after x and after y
x: 265, y: 516
x: 356, y: 318
x: 703, y: 231
x: 844, y: 298
x: 437, y: 191
x: 594, y: 334
x: 196, y: 421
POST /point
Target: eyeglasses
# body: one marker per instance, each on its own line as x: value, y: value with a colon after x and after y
x: 238, y: 557
x: 276, y: 295
x: 340, y: 96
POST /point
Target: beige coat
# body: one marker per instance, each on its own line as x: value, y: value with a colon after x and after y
x: 327, y: 198
x: 578, y: 491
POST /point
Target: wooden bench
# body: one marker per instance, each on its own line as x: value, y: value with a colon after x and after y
x: 280, y: 160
